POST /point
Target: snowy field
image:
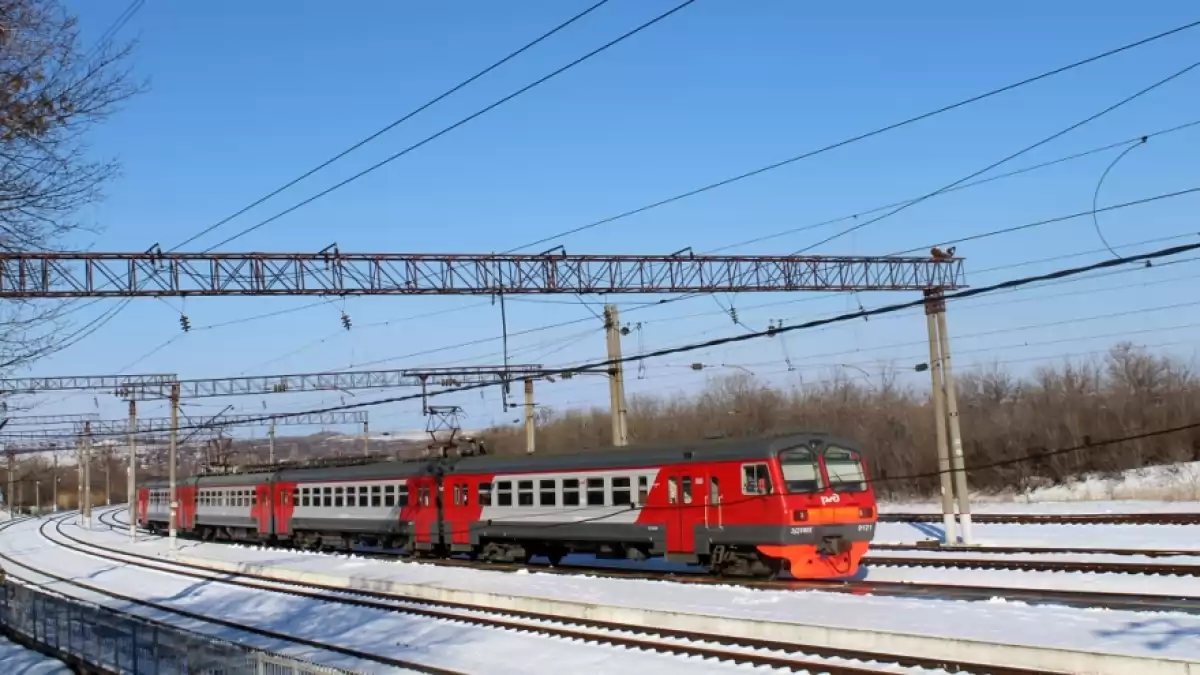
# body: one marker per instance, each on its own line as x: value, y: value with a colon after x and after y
x: 16, y: 660
x: 1170, y: 635
x: 447, y: 644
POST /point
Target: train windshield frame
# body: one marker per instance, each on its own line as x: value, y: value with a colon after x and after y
x: 801, y: 471
x: 845, y: 469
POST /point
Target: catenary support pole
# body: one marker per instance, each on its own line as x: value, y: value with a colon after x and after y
x: 271, y: 443
x: 10, y: 497
x: 55, y: 486
x: 530, y: 440
x: 957, y: 462
x: 107, y: 477
x: 87, y: 475
x: 366, y: 439
x: 37, y: 498
x: 932, y: 305
x: 131, y: 474
x: 173, y: 504
x: 616, y: 376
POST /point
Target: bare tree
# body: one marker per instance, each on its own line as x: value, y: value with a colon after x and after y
x: 53, y: 92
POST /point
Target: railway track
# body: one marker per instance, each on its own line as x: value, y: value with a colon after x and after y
x: 773, y: 654
x: 923, y: 591
x: 1054, y: 518
x: 1095, y: 567
x: 1037, y: 550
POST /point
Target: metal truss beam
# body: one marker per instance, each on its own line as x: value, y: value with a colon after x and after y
x: 163, y: 425
x: 158, y: 274
x: 334, y: 381
x: 31, y: 385
x: 50, y: 420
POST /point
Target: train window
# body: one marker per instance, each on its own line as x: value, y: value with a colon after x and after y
x: 327, y: 497
x: 672, y: 490
x: 423, y: 495
x: 466, y: 494
x: 595, y: 492
x: 485, y: 494
x: 525, y: 493
x: 303, y: 497
x: 547, y: 494
x: 339, y: 497
x: 363, y: 498
x: 756, y: 480
x: 643, y: 489
x: 504, y: 493
x: 570, y: 492
x: 845, y: 470
x: 800, y: 471
x: 714, y: 491
x: 620, y: 491
x: 687, y: 489
x: 457, y: 494
x: 376, y: 496
x: 402, y: 495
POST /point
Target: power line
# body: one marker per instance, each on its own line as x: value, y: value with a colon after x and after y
x: 393, y: 124
x: 454, y: 126
x: 695, y: 346
x: 860, y: 137
x: 1058, y: 134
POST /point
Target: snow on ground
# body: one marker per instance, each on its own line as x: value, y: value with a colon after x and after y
x: 435, y: 642
x: 1159, y: 634
x: 994, y: 504
x: 16, y: 660
x: 1142, y: 537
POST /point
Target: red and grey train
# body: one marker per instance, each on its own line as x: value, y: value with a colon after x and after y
x: 745, y: 507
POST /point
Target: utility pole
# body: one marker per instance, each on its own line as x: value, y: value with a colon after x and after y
x: 529, y: 428
x: 174, y: 506
x: 957, y: 462
x: 366, y: 439
x: 616, y: 373
x: 107, y: 476
x: 37, y: 497
x: 87, y: 475
x: 932, y: 306
x: 55, y: 486
x: 131, y: 474
x: 271, y: 443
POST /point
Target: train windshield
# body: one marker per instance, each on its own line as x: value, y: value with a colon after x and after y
x: 845, y: 470
x: 800, y: 471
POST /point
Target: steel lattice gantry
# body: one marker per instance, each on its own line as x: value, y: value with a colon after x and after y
x: 151, y: 425
x: 33, y: 385
x: 158, y: 274
x: 50, y: 420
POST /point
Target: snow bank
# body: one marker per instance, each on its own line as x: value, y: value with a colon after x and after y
x: 16, y: 660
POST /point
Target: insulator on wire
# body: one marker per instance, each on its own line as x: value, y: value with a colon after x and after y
x: 733, y: 314
x: 345, y: 320
x: 185, y: 323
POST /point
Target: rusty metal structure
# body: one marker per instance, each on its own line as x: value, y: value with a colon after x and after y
x: 330, y: 272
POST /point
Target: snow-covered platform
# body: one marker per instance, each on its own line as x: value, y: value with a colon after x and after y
x: 17, y: 660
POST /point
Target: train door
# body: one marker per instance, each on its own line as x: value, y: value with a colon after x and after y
x: 262, y: 508
x: 281, y: 512
x: 713, y: 517
x: 143, y: 505
x: 681, y: 487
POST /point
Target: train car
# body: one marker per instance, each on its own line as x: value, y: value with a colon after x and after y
x: 152, y: 512
x: 386, y: 504
x: 232, y: 506
x: 799, y: 502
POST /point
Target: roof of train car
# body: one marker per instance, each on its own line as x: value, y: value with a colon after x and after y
x: 231, y: 479
x: 397, y: 469
x: 758, y: 447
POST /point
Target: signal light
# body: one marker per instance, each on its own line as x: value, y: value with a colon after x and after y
x: 866, y: 512
x: 345, y: 321
x: 184, y: 323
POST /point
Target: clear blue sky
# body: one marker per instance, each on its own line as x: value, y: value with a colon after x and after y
x: 245, y: 96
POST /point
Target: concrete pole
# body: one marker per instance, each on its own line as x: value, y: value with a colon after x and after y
x: 529, y: 428
x: 37, y: 497
x: 271, y: 443
x: 956, y: 450
x: 131, y: 476
x: 366, y: 439
x: 939, y: 414
x: 107, y: 476
x: 87, y: 475
x: 616, y: 372
x: 10, y: 497
x: 55, y: 486
x: 173, y: 504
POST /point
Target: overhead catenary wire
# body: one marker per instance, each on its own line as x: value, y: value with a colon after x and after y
x: 445, y: 130
x: 860, y: 137
x: 395, y: 123
x: 1029, y: 148
x: 695, y: 346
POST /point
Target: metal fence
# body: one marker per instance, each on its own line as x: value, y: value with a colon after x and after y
x: 109, y: 641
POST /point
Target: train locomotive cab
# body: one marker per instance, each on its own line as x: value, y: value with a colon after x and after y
x: 829, y: 509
